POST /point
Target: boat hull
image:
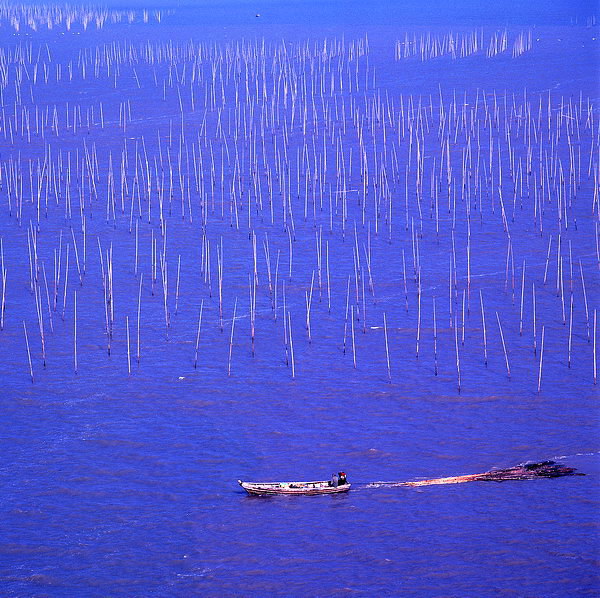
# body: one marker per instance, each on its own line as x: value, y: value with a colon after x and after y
x: 292, y: 488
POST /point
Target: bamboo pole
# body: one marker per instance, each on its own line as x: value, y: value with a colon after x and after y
x: 231, y: 338
x: 291, y: 345
x: 346, y: 316
x: 503, y: 345
x: 457, y: 354
x: 198, y: 334
x: 485, y: 357
x: 3, y: 307
x: 570, y: 332
x: 353, y: 340
x: 435, y: 364
x: 533, y: 318
x: 595, y: 359
x: 522, y: 297
x: 587, y: 317
x: 541, y: 360
x: 28, y: 351
x: 177, y: 285
x: 387, y: 349
x: 75, y: 329
x: 139, y: 309
x: 128, y: 347
x: 418, y: 314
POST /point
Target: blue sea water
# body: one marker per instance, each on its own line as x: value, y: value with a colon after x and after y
x: 124, y: 484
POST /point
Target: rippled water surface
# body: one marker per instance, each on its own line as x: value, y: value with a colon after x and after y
x: 119, y: 479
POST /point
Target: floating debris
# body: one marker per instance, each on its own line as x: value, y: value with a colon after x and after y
x: 525, y: 471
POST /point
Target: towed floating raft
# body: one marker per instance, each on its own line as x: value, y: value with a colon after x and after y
x: 525, y: 471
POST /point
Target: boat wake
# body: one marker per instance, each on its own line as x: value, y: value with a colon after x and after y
x: 384, y: 484
x: 563, y: 457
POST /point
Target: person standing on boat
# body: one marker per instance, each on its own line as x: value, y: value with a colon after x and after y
x: 341, y: 479
x: 334, y: 481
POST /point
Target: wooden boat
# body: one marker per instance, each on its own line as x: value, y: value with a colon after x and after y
x: 304, y: 488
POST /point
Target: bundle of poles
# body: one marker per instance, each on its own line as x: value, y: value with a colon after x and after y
x: 525, y: 471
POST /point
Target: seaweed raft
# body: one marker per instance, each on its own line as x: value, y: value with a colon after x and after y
x: 526, y: 471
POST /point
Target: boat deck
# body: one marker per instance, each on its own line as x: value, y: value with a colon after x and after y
x: 304, y: 488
